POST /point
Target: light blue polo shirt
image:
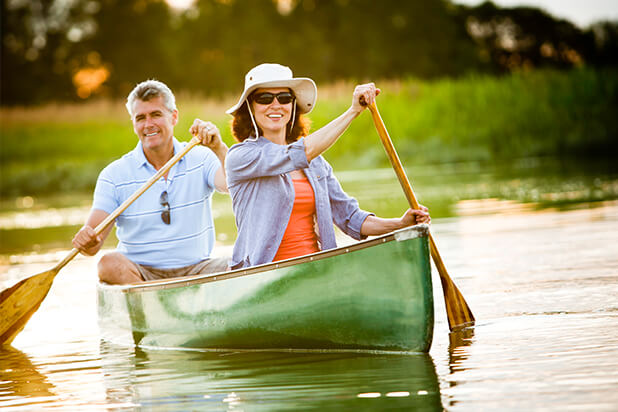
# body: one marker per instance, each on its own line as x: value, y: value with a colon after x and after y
x: 143, y: 236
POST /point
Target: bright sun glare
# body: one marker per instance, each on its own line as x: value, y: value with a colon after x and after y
x: 180, y: 4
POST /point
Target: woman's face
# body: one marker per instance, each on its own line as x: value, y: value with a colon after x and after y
x: 272, y: 117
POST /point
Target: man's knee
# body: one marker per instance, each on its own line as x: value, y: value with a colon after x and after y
x: 115, y: 268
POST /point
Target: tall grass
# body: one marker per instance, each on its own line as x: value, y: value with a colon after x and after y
x: 479, y: 118
x: 484, y: 118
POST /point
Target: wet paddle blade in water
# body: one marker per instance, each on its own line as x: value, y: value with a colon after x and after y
x: 19, y: 302
x: 458, y: 312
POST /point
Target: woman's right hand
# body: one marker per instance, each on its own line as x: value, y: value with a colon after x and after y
x: 364, y: 95
x: 415, y: 217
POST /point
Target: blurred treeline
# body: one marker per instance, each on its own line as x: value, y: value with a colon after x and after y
x: 69, y: 50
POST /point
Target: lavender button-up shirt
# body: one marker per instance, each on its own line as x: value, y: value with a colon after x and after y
x: 263, y: 196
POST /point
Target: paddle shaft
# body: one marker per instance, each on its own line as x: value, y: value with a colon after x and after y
x: 110, y: 218
x: 457, y: 310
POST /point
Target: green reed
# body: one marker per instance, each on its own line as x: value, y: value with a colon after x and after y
x: 485, y: 118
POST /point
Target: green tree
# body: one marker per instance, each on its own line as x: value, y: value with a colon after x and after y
x: 512, y: 38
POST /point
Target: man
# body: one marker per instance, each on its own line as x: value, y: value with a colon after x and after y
x: 168, y: 231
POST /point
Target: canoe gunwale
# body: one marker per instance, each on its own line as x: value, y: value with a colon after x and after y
x: 411, y: 232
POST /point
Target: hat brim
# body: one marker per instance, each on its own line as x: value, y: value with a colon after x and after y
x: 304, y: 89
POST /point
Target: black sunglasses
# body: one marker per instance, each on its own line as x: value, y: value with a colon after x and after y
x: 165, y: 215
x: 267, y: 97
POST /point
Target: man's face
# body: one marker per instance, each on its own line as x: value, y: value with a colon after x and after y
x: 154, y: 124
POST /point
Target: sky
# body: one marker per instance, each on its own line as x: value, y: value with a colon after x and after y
x: 580, y: 12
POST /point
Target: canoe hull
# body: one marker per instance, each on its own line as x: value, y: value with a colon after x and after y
x: 377, y: 297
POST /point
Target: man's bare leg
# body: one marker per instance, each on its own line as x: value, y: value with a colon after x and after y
x: 117, y: 269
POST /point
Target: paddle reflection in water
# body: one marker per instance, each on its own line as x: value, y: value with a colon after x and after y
x: 20, y: 378
x: 195, y: 380
x: 457, y: 349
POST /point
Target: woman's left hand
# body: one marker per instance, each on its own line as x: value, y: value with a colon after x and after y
x: 416, y: 216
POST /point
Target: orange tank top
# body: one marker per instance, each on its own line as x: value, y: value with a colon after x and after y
x: 300, y: 237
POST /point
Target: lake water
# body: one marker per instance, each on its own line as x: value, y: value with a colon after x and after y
x: 541, y: 281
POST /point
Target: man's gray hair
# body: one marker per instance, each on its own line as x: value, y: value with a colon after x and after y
x: 151, y: 89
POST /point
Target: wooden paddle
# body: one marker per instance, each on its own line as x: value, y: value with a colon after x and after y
x: 19, y: 302
x: 457, y: 310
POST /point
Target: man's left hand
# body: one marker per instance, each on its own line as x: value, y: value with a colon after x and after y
x: 207, y: 132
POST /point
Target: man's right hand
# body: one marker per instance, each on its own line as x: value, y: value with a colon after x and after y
x: 87, y: 241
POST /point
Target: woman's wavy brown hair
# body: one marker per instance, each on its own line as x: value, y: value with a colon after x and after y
x: 242, y: 127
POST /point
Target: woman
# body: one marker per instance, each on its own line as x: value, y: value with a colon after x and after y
x: 284, y: 194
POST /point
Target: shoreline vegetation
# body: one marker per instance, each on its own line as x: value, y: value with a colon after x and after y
x: 480, y: 118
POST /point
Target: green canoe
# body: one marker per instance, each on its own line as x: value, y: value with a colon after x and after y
x: 374, y: 295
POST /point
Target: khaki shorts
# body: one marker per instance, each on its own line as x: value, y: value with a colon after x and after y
x: 213, y: 265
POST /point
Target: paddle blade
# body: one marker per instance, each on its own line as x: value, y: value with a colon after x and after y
x: 19, y: 302
x: 458, y: 312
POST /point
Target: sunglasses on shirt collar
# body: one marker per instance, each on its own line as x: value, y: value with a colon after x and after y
x: 165, y: 214
x: 267, y: 97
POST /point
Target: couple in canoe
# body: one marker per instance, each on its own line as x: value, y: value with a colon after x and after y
x: 284, y: 193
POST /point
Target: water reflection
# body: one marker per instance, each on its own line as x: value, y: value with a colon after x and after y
x: 192, y: 380
x: 543, y: 285
x: 458, y: 352
x: 459, y: 344
x: 19, y: 377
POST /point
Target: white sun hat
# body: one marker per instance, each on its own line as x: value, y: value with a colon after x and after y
x: 276, y: 75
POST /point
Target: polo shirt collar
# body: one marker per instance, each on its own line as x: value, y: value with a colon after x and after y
x: 140, y: 157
